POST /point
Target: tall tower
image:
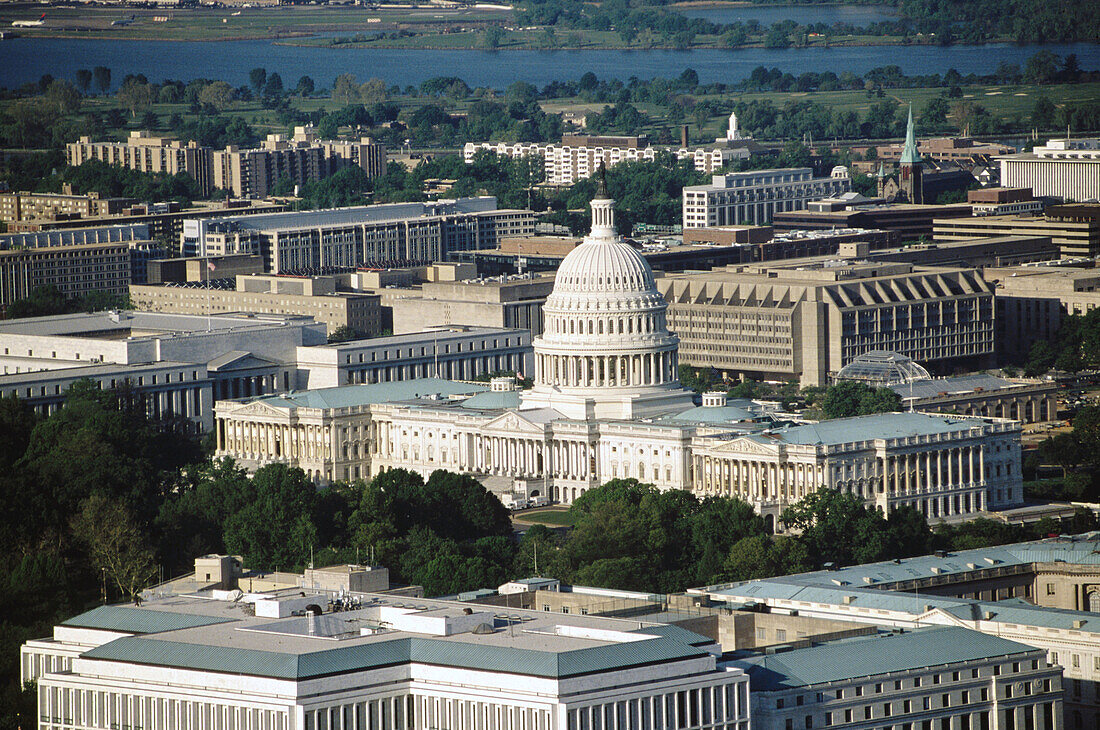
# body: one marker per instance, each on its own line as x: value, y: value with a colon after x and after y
x: 911, y: 179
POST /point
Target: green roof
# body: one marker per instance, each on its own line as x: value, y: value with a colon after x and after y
x: 848, y: 659
x: 359, y: 657
x: 133, y: 620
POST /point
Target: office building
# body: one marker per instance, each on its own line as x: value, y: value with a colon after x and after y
x: 441, y: 351
x: 306, y: 296
x: 1004, y: 201
x: 73, y: 270
x: 796, y: 321
x: 756, y: 197
x: 203, y: 268
x: 202, y: 358
x: 941, y: 677
x: 1033, y: 301
x: 1074, y: 228
x: 345, y: 238
x: 1043, y: 594
x: 145, y: 153
x: 65, y: 205
x: 1066, y: 169
x: 390, y: 662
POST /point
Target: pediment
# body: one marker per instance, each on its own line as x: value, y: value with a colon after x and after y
x: 511, y: 423
x: 744, y: 445
x: 256, y: 408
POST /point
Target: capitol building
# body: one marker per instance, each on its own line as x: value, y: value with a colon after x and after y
x: 607, y: 403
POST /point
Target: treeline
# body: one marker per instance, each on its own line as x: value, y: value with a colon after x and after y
x: 938, y: 21
x: 49, y: 300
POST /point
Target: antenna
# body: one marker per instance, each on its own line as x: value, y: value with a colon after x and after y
x: 536, y: 544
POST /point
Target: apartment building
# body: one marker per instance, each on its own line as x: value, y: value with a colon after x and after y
x: 806, y: 321
x: 300, y: 159
x: 1075, y: 229
x: 755, y: 197
x: 147, y: 153
x: 310, y: 296
x: 937, y: 677
x: 1067, y: 169
x: 343, y: 238
x: 31, y: 206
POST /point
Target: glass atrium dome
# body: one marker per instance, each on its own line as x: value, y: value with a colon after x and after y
x: 882, y: 368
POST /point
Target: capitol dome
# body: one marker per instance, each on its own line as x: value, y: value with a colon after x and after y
x: 605, y: 343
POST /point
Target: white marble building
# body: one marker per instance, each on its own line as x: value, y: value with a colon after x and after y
x: 606, y: 403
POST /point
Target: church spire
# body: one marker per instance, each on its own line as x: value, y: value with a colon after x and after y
x: 909, y: 155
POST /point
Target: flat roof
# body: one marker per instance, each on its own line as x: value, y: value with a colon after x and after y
x: 347, y: 396
x: 218, y: 636
x: 868, y: 656
x: 954, y: 385
x: 867, y: 428
x: 292, y: 220
x: 147, y: 324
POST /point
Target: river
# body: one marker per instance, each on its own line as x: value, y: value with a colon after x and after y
x: 26, y: 59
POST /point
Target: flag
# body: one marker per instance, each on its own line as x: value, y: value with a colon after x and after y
x: 210, y: 265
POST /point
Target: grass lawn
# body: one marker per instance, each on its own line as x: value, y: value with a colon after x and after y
x: 556, y: 517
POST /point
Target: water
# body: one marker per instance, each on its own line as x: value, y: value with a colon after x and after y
x: 26, y: 59
x: 857, y: 15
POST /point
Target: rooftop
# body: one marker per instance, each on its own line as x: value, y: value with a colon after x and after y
x: 133, y: 324
x: 349, y: 396
x: 217, y: 635
x: 296, y: 220
x: 881, y: 426
x: 877, y: 654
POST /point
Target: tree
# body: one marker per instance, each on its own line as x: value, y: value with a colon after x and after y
x: 257, y: 77
x: 305, y: 86
x: 1042, y: 68
x: 850, y: 398
x: 345, y: 89
x: 115, y: 542
x: 218, y: 94
x: 275, y: 528
x: 344, y: 333
x: 274, y: 85
x: 83, y: 80
x: 836, y: 527
x: 491, y: 37
x: 102, y: 76
x: 135, y: 95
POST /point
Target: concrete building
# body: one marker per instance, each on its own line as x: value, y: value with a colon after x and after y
x: 805, y: 322
x: 511, y: 302
x: 203, y: 268
x: 441, y: 351
x: 1074, y: 228
x: 254, y: 173
x: 146, y: 153
x: 756, y: 197
x: 305, y: 296
x: 943, y: 466
x: 943, y: 677
x: 1067, y: 169
x: 30, y: 206
x: 391, y: 662
x: 1043, y: 594
x: 978, y: 253
x: 578, y: 156
x: 910, y: 221
x: 1033, y: 301
x: 74, y: 270
x: 345, y: 238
